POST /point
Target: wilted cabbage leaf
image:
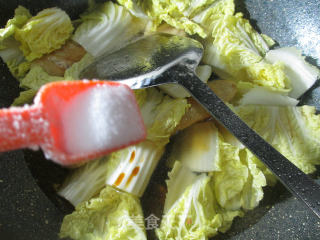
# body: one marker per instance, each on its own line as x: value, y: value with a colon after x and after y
x: 9, y: 46
x: 25, y: 97
x: 192, y: 215
x: 111, y: 215
x: 44, y: 33
x: 161, y: 115
x: 136, y: 7
x: 21, y: 16
x: 181, y: 14
x: 31, y: 82
x: 302, y: 75
x: 238, y: 185
x: 235, y: 50
x: 107, y: 28
x: 36, y: 78
x: 263, y: 96
x: 94, y: 173
x: 197, y: 147
x: 293, y: 131
x: 195, y: 214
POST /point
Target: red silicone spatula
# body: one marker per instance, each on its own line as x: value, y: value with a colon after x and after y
x: 74, y: 121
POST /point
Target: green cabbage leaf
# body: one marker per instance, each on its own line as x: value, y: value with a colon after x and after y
x: 236, y: 51
x: 238, y: 185
x: 111, y: 215
x: 161, y: 115
x: 192, y: 211
x: 21, y: 17
x: 197, y: 147
x: 302, y: 75
x: 263, y: 96
x: 180, y: 14
x: 44, y: 33
x: 107, y: 28
x: 9, y: 46
x: 293, y: 131
x: 25, y: 97
x: 37, y: 77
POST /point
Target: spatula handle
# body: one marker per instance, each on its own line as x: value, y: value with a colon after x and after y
x: 21, y: 127
x: 292, y: 177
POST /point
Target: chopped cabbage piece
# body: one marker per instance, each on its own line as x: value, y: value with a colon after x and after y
x: 262, y: 96
x: 37, y: 77
x: 180, y: 177
x: 9, y: 46
x: 111, y: 215
x: 180, y: 14
x: 293, y: 131
x: 136, y: 167
x: 25, y: 97
x: 94, y: 173
x: 134, y: 8
x: 44, y: 33
x: 239, y: 183
x: 21, y: 16
x: 197, y: 147
x: 13, y: 57
x: 236, y: 51
x: 107, y: 28
x: 229, y: 138
x: 195, y: 214
x: 301, y: 74
x: 236, y: 186
x: 216, y: 10
x: 163, y: 117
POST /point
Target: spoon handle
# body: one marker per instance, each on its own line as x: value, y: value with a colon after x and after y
x: 293, y: 178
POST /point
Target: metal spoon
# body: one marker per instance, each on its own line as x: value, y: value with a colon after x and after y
x: 162, y: 58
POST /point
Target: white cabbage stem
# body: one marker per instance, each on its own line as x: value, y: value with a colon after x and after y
x: 134, y: 172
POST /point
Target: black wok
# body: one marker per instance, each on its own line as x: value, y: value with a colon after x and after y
x: 29, y: 207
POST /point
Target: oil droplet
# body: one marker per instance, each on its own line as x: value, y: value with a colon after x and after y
x: 119, y: 179
x: 134, y: 173
x: 133, y: 155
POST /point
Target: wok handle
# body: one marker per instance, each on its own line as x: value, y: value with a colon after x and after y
x: 301, y: 185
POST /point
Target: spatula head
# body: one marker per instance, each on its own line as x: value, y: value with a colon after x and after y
x: 147, y: 57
